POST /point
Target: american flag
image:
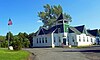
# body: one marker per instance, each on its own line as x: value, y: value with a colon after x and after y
x: 9, y: 22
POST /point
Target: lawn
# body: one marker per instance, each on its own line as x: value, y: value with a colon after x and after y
x: 13, y: 55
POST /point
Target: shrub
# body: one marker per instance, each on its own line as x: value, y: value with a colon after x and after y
x: 16, y: 44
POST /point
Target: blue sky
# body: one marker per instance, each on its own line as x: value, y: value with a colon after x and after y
x: 25, y: 18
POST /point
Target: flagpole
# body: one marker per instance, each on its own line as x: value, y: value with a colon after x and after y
x: 8, y: 35
x: 9, y: 24
x: 8, y: 39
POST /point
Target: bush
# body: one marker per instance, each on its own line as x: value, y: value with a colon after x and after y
x: 26, y: 43
x: 16, y: 44
x: 4, y: 44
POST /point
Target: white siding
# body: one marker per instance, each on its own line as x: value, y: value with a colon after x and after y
x: 72, y: 39
x: 61, y: 35
x: 85, y: 40
x: 49, y: 42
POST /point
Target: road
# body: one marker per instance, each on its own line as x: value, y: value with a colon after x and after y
x: 90, y: 53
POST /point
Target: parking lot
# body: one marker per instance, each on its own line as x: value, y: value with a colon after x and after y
x: 90, y: 53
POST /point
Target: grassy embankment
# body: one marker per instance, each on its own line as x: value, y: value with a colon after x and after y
x: 13, y: 55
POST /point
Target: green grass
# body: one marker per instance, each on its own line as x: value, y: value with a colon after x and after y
x: 13, y: 55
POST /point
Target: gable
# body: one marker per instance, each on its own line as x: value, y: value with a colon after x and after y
x: 77, y: 29
x: 41, y: 32
x: 93, y: 32
x: 55, y: 29
x: 74, y: 30
x: 80, y: 28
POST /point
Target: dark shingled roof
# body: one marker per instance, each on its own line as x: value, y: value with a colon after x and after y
x: 80, y: 28
x: 55, y: 29
x: 70, y: 30
x: 93, y: 32
x: 77, y: 30
x: 41, y: 32
x: 62, y: 17
x: 52, y: 29
x: 60, y: 29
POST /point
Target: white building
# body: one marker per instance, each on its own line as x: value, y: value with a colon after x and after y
x: 62, y: 34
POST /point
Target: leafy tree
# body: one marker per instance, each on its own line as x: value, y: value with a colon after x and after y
x: 2, y: 40
x: 26, y: 42
x: 4, y: 44
x: 99, y: 30
x: 50, y: 14
x: 16, y: 43
x: 23, y: 37
x: 9, y: 37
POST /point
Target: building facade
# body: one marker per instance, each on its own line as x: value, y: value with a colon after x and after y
x: 61, y: 34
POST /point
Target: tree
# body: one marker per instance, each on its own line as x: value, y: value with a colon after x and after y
x: 2, y: 40
x: 4, y: 44
x: 16, y: 43
x: 26, y: 42
x: 23, y: 37
x: 50, y: 14
x: 9, y: 36
x: 99, y: 30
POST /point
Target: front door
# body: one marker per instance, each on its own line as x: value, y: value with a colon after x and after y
x: 64, y: 41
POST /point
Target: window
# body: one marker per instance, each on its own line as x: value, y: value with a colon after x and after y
x: 37, y: 40
x: 73, y: 39
x: 83, y: 39
x: 42, y: 40
x: 59, y: 39
x: 68, y: 40
x: 45, y: 39
x: 91, y: 40
x: 54, y: 39
x: 79, y: 39
x: 87, y: 39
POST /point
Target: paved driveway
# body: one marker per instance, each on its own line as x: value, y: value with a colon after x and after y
x: 90, y: 53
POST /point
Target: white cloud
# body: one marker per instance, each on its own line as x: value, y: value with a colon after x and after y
x: 39, y: 21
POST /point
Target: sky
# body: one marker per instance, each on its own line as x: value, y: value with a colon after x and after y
x: 24, y: 14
